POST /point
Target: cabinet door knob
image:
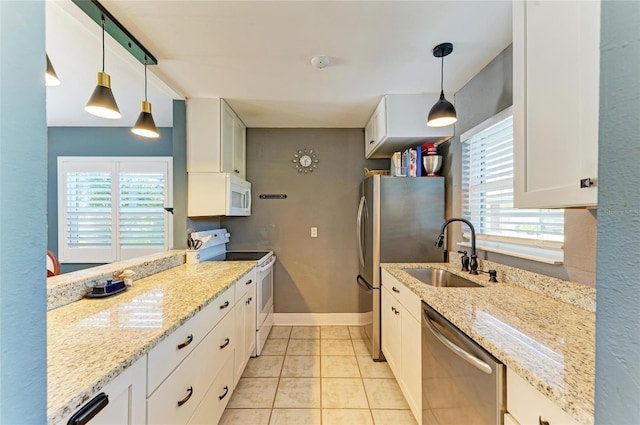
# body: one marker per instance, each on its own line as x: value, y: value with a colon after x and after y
x: 184, y: 400
x: 226, y: 342
x: 237, y: 171
x: 542, y: 421
x: 225, y: 305
x: 188, y: 341
x: 226, y: 391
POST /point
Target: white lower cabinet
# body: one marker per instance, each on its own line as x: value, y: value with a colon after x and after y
x: 527, y: 406
x: 125, y: 396
x: 245, y: 313
x: 215, y: 400
x: 176, y: 399
x: 401, y: 339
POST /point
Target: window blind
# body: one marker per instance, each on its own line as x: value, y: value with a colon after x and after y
x: 112, y: 209
x: 487, y: 182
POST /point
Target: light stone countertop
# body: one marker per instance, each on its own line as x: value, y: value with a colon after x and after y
x: 92, y: 341
x: 549, y: 343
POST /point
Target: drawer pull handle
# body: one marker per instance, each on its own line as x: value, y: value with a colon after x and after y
x: 371, y: 142
x: 542, y: 421
x: 225, y: 305
x: 89, y: 410
x: 226, y: 391
x: 394, y: 289
x: 184, y: 400
x: 187, y: 342
x: 249, y: 282
x: 226, y: 342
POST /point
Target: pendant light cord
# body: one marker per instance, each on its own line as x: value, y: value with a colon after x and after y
x: 145, y: 78
x: 102, y: 44
x: 442, y: 74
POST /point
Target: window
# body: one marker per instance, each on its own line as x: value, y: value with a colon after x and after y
x: 487, y: 186
x: 112, y: 209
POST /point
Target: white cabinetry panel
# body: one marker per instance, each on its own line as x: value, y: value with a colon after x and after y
x: 126, y: 395
x: 556, y: 60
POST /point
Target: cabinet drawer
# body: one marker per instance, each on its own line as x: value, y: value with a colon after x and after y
x: 174, y: 349
x: 528, y: 406
x: 212, y: 406
x: 243, y: 285
x: 403, y: 294
x: 189, y: 382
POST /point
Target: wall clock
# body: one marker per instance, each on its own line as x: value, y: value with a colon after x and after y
x: 305, y: 160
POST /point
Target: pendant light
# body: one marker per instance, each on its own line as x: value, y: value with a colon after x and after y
x: 102, y: 103
x: 443, y: 112
x: 145, y: 126
x: 50, y: 77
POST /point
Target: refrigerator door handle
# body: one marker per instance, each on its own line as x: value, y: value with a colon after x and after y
x: 359, y: 230
x: 364, y: 284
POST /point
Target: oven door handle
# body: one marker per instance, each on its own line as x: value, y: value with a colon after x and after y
x: 268, y: 265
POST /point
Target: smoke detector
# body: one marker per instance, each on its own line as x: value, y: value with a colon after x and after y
x: 320, y: 61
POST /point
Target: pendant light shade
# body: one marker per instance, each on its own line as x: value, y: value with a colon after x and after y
x: 443, y: 113
x: 102, y: 103
x: 145, y: 126
x: 50, y: 77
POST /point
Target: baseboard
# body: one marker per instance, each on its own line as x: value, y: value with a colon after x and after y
x: 322, y: 319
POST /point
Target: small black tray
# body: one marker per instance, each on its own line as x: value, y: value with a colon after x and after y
x: 107, y: 290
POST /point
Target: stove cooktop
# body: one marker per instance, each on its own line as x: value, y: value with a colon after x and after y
x: 245, y: 255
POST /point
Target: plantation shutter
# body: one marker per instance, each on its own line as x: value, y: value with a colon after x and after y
x: 487, y: 183
x: 142, y: 194
x: 112, y: 209
x: 86, y: 217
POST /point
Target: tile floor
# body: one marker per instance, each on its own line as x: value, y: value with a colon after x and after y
x: 324, y: 375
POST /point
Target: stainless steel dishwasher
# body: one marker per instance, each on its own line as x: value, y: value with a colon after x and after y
x: 461, y: 382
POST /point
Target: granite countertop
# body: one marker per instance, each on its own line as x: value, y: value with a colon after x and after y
x: 549, y: 343
x: 92, y: 341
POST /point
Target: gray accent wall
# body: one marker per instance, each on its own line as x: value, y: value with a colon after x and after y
x: 487, y: 93
x: 98, y: 141
x: 312, y: 275
x: 23, y: 177
x: 617, y: 319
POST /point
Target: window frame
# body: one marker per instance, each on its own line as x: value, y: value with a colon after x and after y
x: 550, y: 252
x: 113, y: 164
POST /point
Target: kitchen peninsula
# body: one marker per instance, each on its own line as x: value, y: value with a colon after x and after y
x: 92, y: 341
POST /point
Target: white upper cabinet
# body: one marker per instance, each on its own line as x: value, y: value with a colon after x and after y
x: 556, y: 60
x: 400, y: 121
x: 216, y: 138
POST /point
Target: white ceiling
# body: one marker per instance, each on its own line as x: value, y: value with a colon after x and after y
x: 256, y: 54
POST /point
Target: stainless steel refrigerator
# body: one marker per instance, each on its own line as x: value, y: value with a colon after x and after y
x: 398, y: 221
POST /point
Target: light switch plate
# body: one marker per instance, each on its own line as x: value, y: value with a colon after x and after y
x: 314, y: 232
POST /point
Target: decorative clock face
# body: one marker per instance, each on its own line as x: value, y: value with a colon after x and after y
x: 305, y: 160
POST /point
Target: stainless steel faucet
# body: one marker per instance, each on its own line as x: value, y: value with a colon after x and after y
x: 473, y: 264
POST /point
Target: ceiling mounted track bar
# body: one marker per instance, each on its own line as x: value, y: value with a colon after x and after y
x: 97, y: 12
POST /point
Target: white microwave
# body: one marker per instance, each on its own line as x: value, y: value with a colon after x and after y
x: 217, y: 194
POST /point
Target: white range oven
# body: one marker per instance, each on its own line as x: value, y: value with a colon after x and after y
x: 214, y: 249
x: 264, y: 290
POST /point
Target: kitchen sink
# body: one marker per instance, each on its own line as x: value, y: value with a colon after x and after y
x: 441, y: 278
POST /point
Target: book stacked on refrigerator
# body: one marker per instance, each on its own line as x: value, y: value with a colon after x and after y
x: 411, y: 161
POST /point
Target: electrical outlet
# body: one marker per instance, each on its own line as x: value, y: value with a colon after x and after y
x: 314, y: 232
